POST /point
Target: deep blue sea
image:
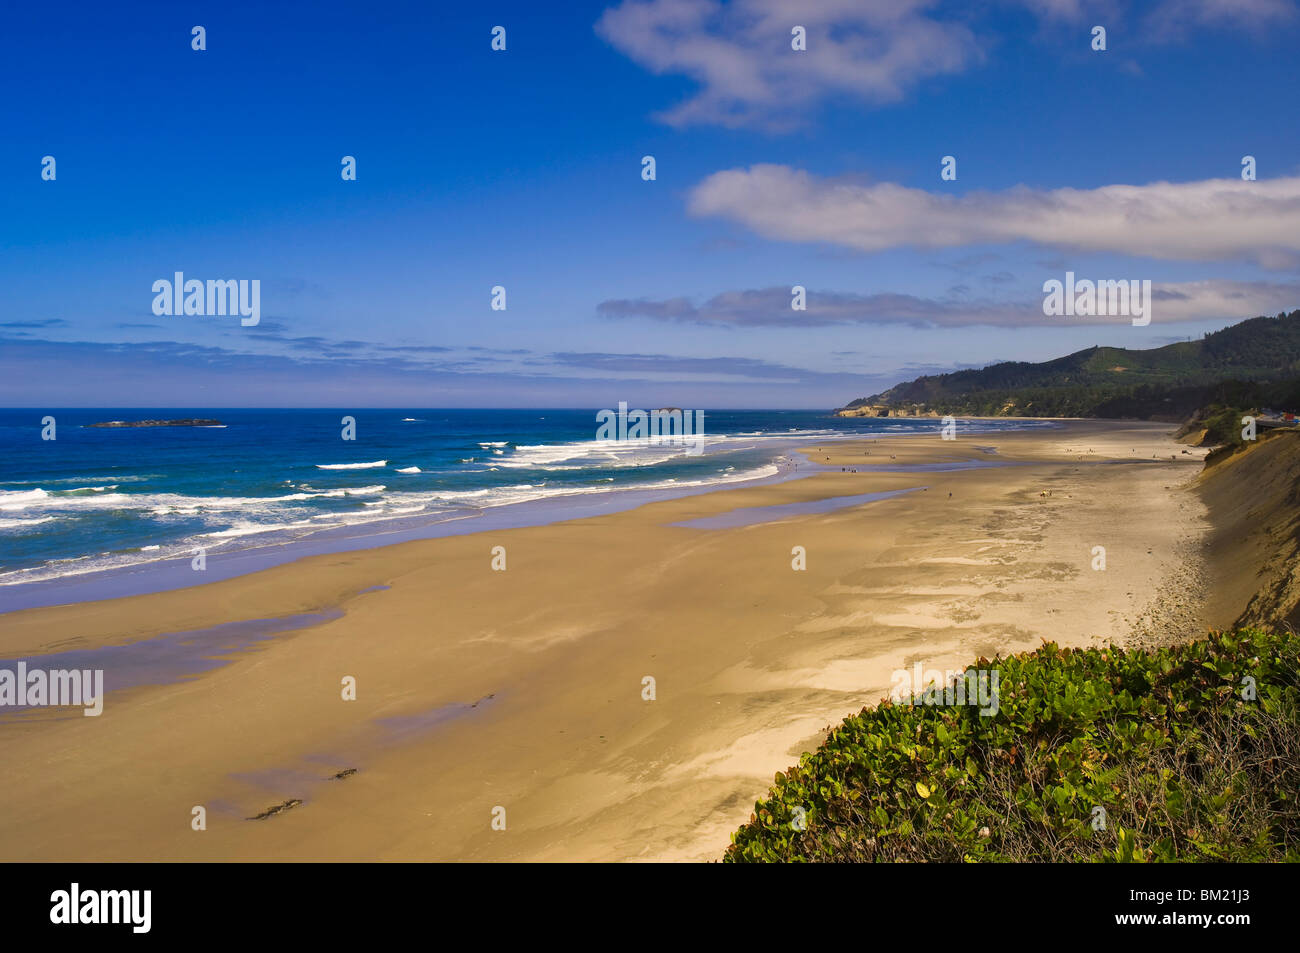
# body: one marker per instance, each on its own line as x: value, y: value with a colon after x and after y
x: 95, y: 499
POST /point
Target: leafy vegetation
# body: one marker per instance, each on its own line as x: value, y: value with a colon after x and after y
x: 1167, y: 742
x: 1253, y: 363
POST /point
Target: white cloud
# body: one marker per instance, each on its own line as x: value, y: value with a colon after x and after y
x: 1211, y: 219
x: 1166, y: 15
x: 1066, y: 9
x: 1173, y: 19
x: 740, y: 52
x: 870, y: 51
x: 1215, y: 299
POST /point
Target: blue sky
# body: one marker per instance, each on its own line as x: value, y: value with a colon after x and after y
x: 522, y: 168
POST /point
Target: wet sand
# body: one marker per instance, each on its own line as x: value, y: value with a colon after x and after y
x: 523, y: 689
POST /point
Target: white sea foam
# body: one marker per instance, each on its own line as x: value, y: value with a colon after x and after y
x: 20, y: 524
x: 250, y: 529
x: 17, y: 499
x: 410, y: 470
x: 589, y: 454
x: 643, y: 452
x: 352, y: 466
x: 349, y: 491
x: 170, y: 504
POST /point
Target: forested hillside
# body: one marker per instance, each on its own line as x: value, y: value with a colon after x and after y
x: 1254, y: 362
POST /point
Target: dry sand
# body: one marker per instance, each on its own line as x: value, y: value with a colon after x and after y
x: 523, y: 689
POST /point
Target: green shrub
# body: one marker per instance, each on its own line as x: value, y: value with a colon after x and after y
x: 1184, y: 766
x: 1223, y: 425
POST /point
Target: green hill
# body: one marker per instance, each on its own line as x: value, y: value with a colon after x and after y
x: 1256, y: 361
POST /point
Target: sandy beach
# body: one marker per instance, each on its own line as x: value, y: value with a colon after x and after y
x: 523, y: 689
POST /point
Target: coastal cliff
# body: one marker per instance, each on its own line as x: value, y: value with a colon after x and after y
x: 1253, y: 495
x: 885, y: 410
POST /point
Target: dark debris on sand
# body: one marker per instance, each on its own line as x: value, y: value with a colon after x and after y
x: 278, y: 809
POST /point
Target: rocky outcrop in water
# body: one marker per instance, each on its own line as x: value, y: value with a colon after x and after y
x: 185, y: 422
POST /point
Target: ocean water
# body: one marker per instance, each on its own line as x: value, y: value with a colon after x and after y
x: 103, y: 499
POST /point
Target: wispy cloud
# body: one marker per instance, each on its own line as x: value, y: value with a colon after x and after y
x: 770, y: 307
x: 34, y: 373
x: 667, y: 366
x: 872, y: 51
x: 1212, y: 219
x: 46, y: 323
x: 1174, y: 19
x: 740, y: 53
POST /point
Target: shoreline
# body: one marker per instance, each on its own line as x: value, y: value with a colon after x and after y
x: 524, y: 689
x: 175, y: 572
